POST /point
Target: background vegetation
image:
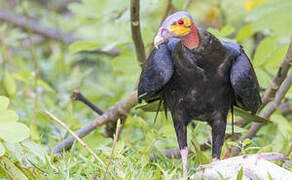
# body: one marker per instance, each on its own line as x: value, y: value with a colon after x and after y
x: 87, y: 45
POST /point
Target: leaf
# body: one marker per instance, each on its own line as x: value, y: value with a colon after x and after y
x: 264, y: 50
x: 83, y: 46
x: 150, y: 107
x: 153, y: 107
x: 245, y: 32
x: 2, y: 149
x: 35, y: 148
x: 274, y: 16
x: 214, y: 31
x: 277, y: 56
x: 240, y: 174
x: 8, y: 116
x: 202, y: 157
x: 227, y: 30
x: 249, y: 117
x: 246, y: 142
x: 11, y: 170
x: 4, y: 102
x: 13, y: 132
x: 126, y: 66
x: 251, y: 4
x: 10, y: 84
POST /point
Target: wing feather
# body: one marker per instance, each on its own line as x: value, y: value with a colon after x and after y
x: 156, y: 73
x: 243, y: 80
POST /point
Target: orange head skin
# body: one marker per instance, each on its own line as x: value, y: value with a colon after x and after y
x: 179, y: 25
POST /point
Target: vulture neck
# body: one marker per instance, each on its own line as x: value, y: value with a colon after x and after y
x: 191, y: 40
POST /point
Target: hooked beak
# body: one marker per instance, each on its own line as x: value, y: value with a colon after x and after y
x: 162, y: 35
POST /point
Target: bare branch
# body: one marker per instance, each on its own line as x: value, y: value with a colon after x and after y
x: 136, y: 32
x: 35, y: 26
x: 286, y: 109
x: 280, y: 94
x: 110, y: 126
x: 77, y: 96
x: 169, y: 9
x: 279, y: 78
x: 120, y: 109
x: 48, y: 32
x: 116, y: 137
x: 271, y: 90
x: 186, y: 4
x: 75, y: 136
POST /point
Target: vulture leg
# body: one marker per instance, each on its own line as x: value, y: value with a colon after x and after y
x: 181, y: 134
x: 184, y: 158
x: 218, y: 132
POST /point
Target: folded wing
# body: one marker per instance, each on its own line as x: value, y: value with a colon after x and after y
x: 156, y: 73
x: 243, y: 80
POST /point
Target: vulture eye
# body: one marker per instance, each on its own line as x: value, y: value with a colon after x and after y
x: 180, y: 22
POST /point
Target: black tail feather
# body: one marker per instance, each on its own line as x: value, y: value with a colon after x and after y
x: 165, y: 109
x: 158, y: 109
x: 232, y: 119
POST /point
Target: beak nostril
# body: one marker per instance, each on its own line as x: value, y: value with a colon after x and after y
x: 163, y: 32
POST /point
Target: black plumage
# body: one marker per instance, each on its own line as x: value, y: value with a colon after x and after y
x: 201, y: 83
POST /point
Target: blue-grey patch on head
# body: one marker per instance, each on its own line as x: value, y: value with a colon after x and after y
x: 176, y: 16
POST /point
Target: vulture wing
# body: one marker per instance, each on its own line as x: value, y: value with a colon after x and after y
x: 157, y: 71
x: 243, y: 79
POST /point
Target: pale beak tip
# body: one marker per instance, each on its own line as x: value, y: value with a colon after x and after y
x: 158, y: 40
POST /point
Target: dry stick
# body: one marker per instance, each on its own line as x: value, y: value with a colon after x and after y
x: 116, y: 137
x: 169, y: 9
x: 271, y: 90
x: 110, y: 126
x: 136, y: 32
x: 286, y: 109
x: 36, y: 74
x: 35, y: 26
x: 121, y: 108
x: 58, y: 6
x: 75, y: 136
x: 287, y: 155
x: 77, y: 96
x: 186, y: 4
x: 272, y: 106
x: 51, y: 33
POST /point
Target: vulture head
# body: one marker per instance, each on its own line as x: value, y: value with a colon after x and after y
x: 179, y: 25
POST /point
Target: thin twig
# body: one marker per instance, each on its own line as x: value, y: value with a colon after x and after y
x: 186, y: 4
x: 286, y: 109
x: 136, y: 32
x: 271, y: 90
x: 48, y: 32
x: 75, y: 136
x: 116, y: 136
x: 287, y: 155
x: 35, y: 26
x: 35, y: 166
x: 272, y: 106
x: 169, y: 9
x: 109, y: 127
x: 279, y: 78
x: 77, y: 96
x: 36, y: 74
x: 121, y: 108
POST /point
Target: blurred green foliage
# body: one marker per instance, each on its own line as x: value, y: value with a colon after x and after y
x: 40, y: 73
